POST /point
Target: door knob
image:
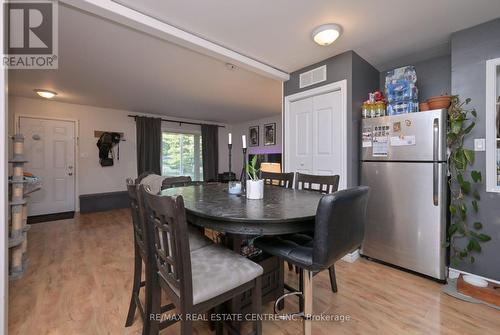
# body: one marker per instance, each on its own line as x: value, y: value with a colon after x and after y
x: 70, y: 167
x: 70, y: 174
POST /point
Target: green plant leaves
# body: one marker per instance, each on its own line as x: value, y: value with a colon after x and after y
x: 484, y: 237
x: 475, y: 206
x: 459, y: 126
x: 476, y: 176
x: 252, y: 171
x: 456, y: 126
x: 473, y: 245
x: 469, y: 155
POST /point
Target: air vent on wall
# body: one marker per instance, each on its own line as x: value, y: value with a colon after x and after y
x: 312, y: 77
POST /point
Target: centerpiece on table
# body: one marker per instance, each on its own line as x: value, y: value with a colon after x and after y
x: 254, y: 186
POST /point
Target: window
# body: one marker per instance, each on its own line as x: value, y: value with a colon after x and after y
x: 181, y: 155
x: 493, y: 125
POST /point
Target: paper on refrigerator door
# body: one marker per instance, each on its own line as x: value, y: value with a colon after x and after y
x: 367, y: 137
x: 380, y: 146
x: 400, y: 141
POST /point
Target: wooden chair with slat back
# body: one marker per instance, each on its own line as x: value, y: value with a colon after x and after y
x: 322, y: 184
x: 141, y: 256
x: 169, y: 182
x: 277, y: 179
x: 195, y: 281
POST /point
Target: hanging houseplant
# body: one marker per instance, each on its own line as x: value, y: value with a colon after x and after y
x: 463, y: 185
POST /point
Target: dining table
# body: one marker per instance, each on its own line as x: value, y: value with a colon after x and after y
x: 281, y: 211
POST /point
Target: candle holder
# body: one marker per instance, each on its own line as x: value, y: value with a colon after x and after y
x: 244, y: 179
x: 230, y: 147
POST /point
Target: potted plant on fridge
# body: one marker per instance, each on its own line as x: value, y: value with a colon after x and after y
x: 255, y: 186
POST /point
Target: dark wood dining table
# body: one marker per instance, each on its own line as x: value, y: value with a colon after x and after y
x: 282, y: 211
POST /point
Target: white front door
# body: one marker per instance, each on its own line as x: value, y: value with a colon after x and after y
x: 50, y: 151
x: 315, y: 135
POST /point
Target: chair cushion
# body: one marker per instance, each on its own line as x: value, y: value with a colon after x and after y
x: 217, y: 270
x: 196, y: 239
x: 295, y: 248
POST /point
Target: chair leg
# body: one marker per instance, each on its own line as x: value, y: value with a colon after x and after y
x: 217, y: 325
x: 136, y: 286
x: 308, y: 301
x: 257, y: 305
x: 301, y: 289
x: 155, y: 309
x: 333, y: 278
x: 186, y: 327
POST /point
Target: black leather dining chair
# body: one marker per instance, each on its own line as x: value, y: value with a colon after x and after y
x: 339, y: 228
x: 278, y: 179
x: 322, y: 184
x: 195, y: 281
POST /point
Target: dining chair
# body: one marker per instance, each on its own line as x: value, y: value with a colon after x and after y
x: 338, y: 229
x: 277, y: 179
x: 194, y: 281
x: 322, y: 184
x: 142, y: 257
x: 169, y: 182
x: 316, y: 183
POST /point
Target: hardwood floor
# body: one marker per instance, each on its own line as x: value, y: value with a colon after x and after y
x: 80, y: 275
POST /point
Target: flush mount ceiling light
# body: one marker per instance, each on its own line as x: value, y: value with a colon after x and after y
x: 45, y: 93
x: 326, y: 34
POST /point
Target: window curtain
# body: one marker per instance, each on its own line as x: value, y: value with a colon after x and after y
x: 210, y: 151
x: 148, y: 132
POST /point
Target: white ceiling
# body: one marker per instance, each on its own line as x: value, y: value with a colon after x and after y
x: 278, y: 32
x: 105, y: 64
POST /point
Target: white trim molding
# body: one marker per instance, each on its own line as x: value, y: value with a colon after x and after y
x: 336, y: 86
x: 132, y: 18
x: 454, y: 273
x: 491, y: 132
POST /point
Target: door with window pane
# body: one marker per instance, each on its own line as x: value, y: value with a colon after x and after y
x: 181, y: 155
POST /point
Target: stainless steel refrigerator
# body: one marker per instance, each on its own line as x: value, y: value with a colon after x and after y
x: 404, y: 163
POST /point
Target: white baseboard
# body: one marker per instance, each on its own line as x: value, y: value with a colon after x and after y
x: 454, y: 273
x: 351, y: 257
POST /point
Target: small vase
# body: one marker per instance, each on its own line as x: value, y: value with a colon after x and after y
x: 255, y: 189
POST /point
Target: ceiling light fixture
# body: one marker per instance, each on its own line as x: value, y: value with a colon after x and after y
x: 45, y: 93
x: 326, y: 34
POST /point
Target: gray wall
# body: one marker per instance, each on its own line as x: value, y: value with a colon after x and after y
x: 470, y: 49
x: 364, y: 80
x: 433, y: 77
x: 347, y: 65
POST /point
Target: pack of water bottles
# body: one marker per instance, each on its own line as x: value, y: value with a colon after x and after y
x: 401, y: 90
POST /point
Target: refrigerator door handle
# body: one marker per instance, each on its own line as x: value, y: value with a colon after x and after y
x: 435, y: 183
x: 435, y: 139
x: 435, y: 166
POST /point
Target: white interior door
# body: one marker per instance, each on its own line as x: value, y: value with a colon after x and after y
x: 327, y: 134
x: 50, y: 151
x: 301, y: 136
x: 315, y: 135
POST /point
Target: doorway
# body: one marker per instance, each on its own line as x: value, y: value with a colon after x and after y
x: 50, y: 152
